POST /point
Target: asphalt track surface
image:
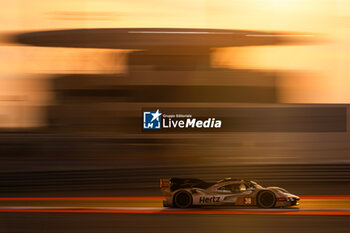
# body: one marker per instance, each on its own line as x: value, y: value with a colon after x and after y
x: 145, y: 214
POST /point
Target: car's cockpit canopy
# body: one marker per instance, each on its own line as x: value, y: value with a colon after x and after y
x: 228, y: 179
x: 248, y: 183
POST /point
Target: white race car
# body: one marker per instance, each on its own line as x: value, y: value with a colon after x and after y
x: 187, y: 192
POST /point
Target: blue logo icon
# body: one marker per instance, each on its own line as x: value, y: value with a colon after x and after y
x: 151, y: 120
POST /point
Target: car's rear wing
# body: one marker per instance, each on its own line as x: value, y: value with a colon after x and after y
x: 165, y: 185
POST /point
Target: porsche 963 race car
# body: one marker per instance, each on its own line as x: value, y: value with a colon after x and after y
x: 184, y: 193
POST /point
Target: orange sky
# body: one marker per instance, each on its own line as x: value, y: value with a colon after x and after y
x: 327, y: 62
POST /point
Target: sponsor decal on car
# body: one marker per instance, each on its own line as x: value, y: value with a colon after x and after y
x: 212, y: 199
x: 247, y: 201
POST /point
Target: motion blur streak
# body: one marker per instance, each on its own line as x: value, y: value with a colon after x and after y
x: 81, y: 198
x: 172, y: 223
x: 218, y: 212
x: 334, y: 205
x: 325, y: 196
x: 150, y: 198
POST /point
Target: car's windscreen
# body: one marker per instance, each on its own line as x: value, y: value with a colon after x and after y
x: 253, y: 184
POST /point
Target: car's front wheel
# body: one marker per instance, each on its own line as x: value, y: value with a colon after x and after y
x: 266, y: 199
x: 183, y: 199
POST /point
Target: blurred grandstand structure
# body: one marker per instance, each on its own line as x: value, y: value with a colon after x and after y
x: 94, y: 123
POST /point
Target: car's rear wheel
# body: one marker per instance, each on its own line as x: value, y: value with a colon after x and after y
x: 183, y: 199
x: 266, y: 199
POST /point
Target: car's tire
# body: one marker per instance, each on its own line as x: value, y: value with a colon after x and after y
x: 266, y: 199
x: 183, y: 200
